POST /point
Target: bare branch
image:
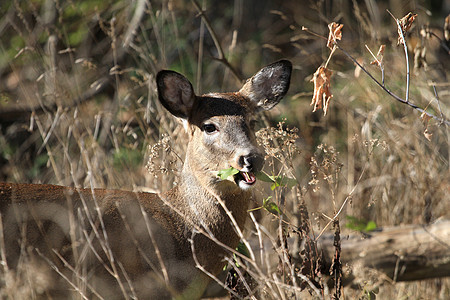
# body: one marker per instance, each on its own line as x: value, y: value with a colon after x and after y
x: 442, y: 119
x: 402, y: 32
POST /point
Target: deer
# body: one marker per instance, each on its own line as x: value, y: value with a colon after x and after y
x: 163, y: 245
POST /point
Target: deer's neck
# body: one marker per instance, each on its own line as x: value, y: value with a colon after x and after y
x: 209, y: 203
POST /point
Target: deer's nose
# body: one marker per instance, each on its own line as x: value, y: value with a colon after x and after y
x: 252, y: 162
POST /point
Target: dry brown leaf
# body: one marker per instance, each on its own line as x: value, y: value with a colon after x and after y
x: 380, y: 55
x: 425, y: 118
x: 425, y: 32
x: 447, y: 28
x: 322, y: 94
x: 335, y: 34
x: 427, y: 134
x: 405, y: 24
x: 420, y: 61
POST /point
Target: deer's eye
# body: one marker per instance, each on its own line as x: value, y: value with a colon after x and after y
x: 209, y: 128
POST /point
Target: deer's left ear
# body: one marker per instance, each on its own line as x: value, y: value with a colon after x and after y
x: 175, y: 93
x: 266, y: 88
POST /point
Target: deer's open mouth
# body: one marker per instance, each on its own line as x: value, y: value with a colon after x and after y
x: 244, y: 179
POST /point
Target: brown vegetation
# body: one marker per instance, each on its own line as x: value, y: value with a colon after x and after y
x: 78, y: 108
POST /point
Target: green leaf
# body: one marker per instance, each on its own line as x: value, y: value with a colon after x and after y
x: 242, y: 249
x: 271, y: 207
x: 360, y: 224
x: 277, y: 180
x: 263, y: 177
x: 371, y: 225
x: 290, y: 182
x: 225, y: 173
x: 265, y: 201
x: 283, y: 181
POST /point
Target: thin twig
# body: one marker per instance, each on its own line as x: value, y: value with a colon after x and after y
x: 438, y: 101
x: 441, y: 42
x: 373, y: 55
x: 221, y: 55
x: 313, y: 33
x: 241, y: 276
x: 157, y: 251
x: 202, y: 268
x: 329, y: 56
x: 73, y: 270
x: 405, y: 48
x: 200, y: 53
x: 60, y: 273
x: 349, y: 196
x: 208, y: 234
x: 380, y: 64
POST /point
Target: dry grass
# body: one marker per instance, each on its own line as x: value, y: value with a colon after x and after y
x: 88, y: 73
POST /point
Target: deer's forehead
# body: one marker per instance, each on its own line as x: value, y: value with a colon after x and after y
x: 222, y: 106
x: 236, y: 98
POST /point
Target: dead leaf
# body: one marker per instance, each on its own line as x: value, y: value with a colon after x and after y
x: 425, y: 118
x: 420, y: 61
x: 405, y: 25
x: 322, y: 94
x: 379, y: 59
x: 425, y: 32
x: 427, y: 134
x: 335, y: 34
x: 447, y: 28
x: 358, y: 69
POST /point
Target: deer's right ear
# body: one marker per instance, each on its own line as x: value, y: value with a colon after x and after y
x: 266, y: 88
x: 175, y: 93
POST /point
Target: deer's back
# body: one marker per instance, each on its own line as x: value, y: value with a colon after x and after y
x: 104, y: 231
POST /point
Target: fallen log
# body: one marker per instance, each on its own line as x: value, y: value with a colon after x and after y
x: 403, y: 253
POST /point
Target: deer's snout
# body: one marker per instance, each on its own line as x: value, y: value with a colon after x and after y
x: 250, y: 162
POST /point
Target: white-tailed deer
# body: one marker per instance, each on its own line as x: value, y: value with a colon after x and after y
x: 148, y: 244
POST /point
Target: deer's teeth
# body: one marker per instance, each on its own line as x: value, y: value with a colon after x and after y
x: 249, y: 177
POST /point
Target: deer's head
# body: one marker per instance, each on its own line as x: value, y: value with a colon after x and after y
x: 221, y: 125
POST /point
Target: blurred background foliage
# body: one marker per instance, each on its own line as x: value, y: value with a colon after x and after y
x: 78, y: 103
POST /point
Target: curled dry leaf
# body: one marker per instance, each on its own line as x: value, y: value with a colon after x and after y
x: 379, y: 59
x: 427, y: 134
x: 322, y: 94
x: 335, y: 34
x: 425, y: 118
x: 405, y: 24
